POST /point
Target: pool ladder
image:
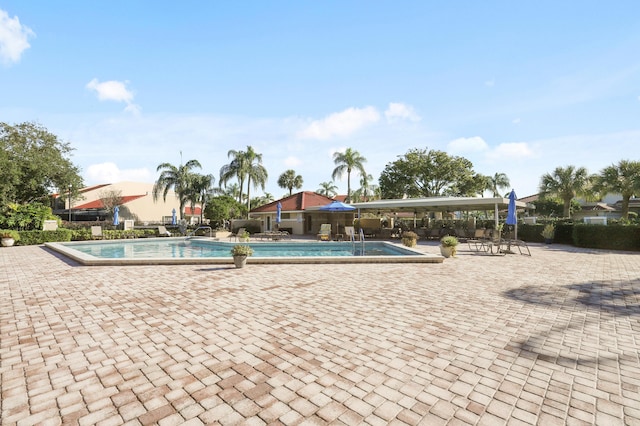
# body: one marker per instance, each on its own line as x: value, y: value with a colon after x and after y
x: 353, y: 242
x: 193, y: 233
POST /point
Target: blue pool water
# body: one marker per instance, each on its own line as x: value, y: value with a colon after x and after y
x: 194, y: 248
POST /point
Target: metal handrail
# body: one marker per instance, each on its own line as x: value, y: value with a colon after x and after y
x: 192, y: 233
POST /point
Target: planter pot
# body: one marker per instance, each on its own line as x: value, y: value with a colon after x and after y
x: 240, y: 261
x: 548, y: 240
x: 447, y: 251
x: 8, y: 242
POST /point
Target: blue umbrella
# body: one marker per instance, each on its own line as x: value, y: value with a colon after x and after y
x: 512, y: 219
x: 116, y: 218
x: 337, y: 206
x: 173, y: 216
x: 278, y: 212
x: 511, y: 212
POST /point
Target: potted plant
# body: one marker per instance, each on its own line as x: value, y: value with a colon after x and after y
x: 409, y: 238
x: 240, y: 253
x: 448, y: 245
x: 548, y: 232
x: 8, y: 237
x: 244, y: 236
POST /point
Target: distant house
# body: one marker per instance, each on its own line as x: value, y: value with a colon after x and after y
x: 299, y: 214
x: 136, y: 203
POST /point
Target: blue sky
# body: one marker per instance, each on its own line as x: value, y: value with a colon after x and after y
x: 515, y: 87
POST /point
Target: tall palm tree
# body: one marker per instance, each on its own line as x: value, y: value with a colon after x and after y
x: 346, y: 162
x: 622, y: 178
x: 290, y: 180
x: 565, y: 183
x: 235, y: 169
x: 176, y: 178
x: 256, y: 173
x: 328, y: 189
x: 232, y: 190
x: 498, y: 181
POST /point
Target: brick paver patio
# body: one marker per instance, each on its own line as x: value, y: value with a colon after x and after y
x: 548, y: 339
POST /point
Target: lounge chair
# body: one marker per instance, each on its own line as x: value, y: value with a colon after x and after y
x: 96, y: 233
x: 162, y: 231
x: 325, y: 232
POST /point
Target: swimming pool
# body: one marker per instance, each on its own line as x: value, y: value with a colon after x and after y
x: 203, y: 250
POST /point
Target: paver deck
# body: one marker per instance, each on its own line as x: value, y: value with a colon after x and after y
x: 549, y: 339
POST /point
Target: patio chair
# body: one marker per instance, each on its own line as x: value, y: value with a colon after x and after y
x: 325, y: 232
x: 162, y: 231
x: 96, y: 233
x: 351, y: 234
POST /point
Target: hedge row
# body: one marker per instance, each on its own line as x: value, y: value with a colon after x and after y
x: 610, y: 237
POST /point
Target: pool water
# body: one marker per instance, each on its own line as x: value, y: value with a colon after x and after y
x: 195, y: 248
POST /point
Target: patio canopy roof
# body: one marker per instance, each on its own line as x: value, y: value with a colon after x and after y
x: 438, y: 204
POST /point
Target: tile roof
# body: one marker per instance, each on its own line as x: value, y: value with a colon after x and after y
x: 295, y: 202
x: 98, y: 204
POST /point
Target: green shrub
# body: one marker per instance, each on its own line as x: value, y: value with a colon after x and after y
x: 31, y: 238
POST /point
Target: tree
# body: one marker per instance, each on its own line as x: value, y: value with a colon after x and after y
x: 289, y: 180
x: 346, y: 162
x: 34, y: 163
x: 200, y: 189
x: 423, y: 173
x: 235, y: 169
x: 328, y: 189
x: 245, y: 166
x: 110, y: 199
x: 176, y: 178
x: 499, y: 181
x: 223, y: 208
x: 565, y: 183
x: 256, y: 173
x: 624, y: 179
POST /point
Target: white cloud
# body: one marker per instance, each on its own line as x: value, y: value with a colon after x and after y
x: 399, y: 111
x: 340, y: 124
x: 465, y: 145
x: 516, y: 121
x: 109, y: 172
x: 511, y: 151
x: 14, y: 38
x: 490, y: 83
x: 292, y: 161
x: 113, y: 90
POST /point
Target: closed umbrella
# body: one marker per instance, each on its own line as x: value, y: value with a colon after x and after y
x: 173, y: 217
x: 116, y: 214
x: 278, y: 213
x: 512, y: 219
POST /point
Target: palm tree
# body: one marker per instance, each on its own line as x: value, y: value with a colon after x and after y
x: 365, y: 185
x: 497, y: 182
x: 256, y: 173
x: 290, y: 180
x: 178, y: 178
x: 200, y: 189
x: 328, y: 189
x: 235, y: 169
x: 346, y: 162
x: 623, y: 178
x: 232, y: 191
x: 565, y: 183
